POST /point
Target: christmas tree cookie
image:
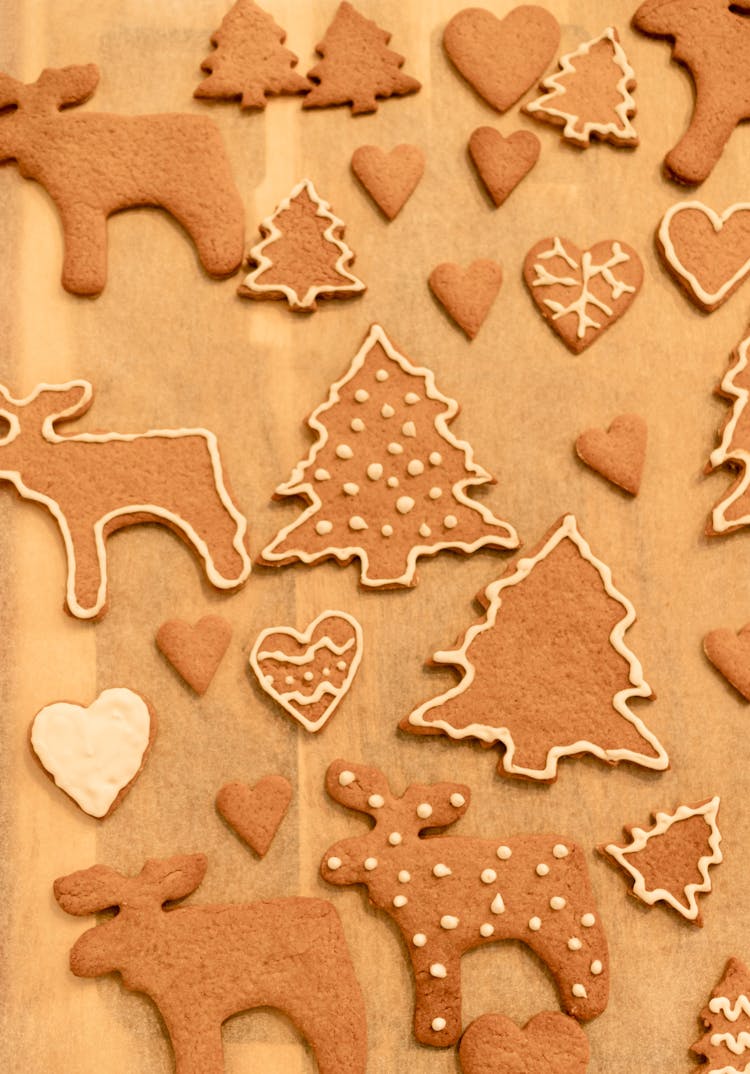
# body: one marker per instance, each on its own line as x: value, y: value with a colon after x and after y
x: 386, y: 481
x: 725, y: 1043
x: 733, y: 510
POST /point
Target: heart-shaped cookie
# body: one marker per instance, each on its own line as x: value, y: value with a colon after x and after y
x: 551, y: 1043
x: 730, y: 654
x: 617, y: 454
x: 502, y: 58
x: 94, y: 754
x: 467, y: 294
x: 389, y: 178
x: 502, y: 163
x: 581, y: 293
x: 308, y: 672
x: 708, y: 253
x: 195, y: 651
x: 255, y: 813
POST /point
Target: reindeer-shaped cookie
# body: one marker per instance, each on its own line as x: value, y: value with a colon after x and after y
x: 712, y: 39
x: 202, y: 964
x: 93, y: 164
x: 448, y: 894
x: 95, y: 483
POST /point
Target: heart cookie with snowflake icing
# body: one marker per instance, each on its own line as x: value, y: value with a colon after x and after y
x: 581, y: 293
x: 308, y: 672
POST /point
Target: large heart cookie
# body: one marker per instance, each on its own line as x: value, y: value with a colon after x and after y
x: 502, y: 163
x: 467, y: 294
x: 94, y: 754
x: 619, y: 453
x: 708, y: 253
x: 581, y: 293
x: 308, y: 672
x: 730, y: 654
x: 502, y: 58
x: 550, y: 1043
x: 195, y: 651
x: 389, y: 178
x: 256, y: 812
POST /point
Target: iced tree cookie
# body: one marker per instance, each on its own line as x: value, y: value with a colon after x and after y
x: 732, y: 512
x: 723, y: 1047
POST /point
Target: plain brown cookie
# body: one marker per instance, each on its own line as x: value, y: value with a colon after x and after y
x: 389, y: 178
x: 729, y: 652
x: 501, y: 58
x: 619, y: 454
x: 256, y: 812
x: 550, y: 1043
x: 726, y: 1018
x: 501, y: 162
x: 467, y: 294
x: 195, y: 651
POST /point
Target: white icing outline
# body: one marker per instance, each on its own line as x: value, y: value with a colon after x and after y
x: 725, y: 453
x: 298, y: 486
x: 486, y: 733
x: 626, y: 108
x: 268, y: 224
x: 663, y: 821
x: 718, y: 220
x: 302, y: 637
x: 48, y: 433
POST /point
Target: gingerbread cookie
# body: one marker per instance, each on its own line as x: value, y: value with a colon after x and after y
x: 357, y: 67
x: 726, y: 1018
x: 389, y: 178
x: 195, y: 652
x: 502, y: 163
x: 501, y: 58
x: 383, y: 441
x: 669, y: 862
x: 250, y: 62
x: 309, y: 672
x: 708, y: 253
x: 550, y: 1043
x: 733, y: 510
x: 302, y: 256
x: 579, y: 293
x: 95, y: 753
x: 93, y: 164
x: 712, y: 39
x: 619, y: 454
x: 95, y: 483
x: 590, y: 95
x: 730, y: 655
x: 202, y: 964
x: 255, y: 813
x: 547, y: 673
x: 467, y: 294
x: 449, y: 894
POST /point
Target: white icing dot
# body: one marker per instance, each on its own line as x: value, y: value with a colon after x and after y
x: 381, y: 375
x: 486, y: 929
x: 411, y: 398
x: 437, y: 969
x: 404, y: 877
x: 557, y: 902
x: 424, y: 810
x: 404, y: 504
x: 344, y: 451
x: 356, y: 425
x: 334, y: 863
x: 424, y: 530
x: 341, y: 665
x: 269, y: 679
x: 323, y: 527
x: 387, y: 410
x: 489, y: 876
x: 596, y: 967
x: 504, y: 853
x: 308, y: 676
x: 438, y: 1024
x: 542, y: 869
x: 357, y: 523
x: 435, y: 493
x: 409, y: 428
x: 441, y: 870
x: 288, y: 680
x: 346, y: 778
x: 574, y: 944
x: 448, y: 922
x: 498, y: 906
x: 457, y: 800
x: 415, y: 467
x: 322, y: 475
x: 450, y: 522
x: 535, y: 923
x: 386, y: 530
x: 588, y: 920
x: 370, y: 864
x: 399, y: 901
x: 395, y: 449
x: 395, y: 838
x: 579, y: 991
x: 436, y: 458
x: 392, y: 482
x: 350, y: 488
x: 376, y: 801
x: 361, y: 395
x: 560, y: 850
x: 326, y: 671
x: 374, y: 471
x: 419, y: 939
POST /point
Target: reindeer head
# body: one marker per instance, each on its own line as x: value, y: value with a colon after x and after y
x: 55, y: 89
x: 670, y: 18
x: 48, y: 403
x: 366, y: 790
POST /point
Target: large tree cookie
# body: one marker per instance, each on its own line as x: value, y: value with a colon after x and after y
x: 732, y: 512
x: 726, y: 1017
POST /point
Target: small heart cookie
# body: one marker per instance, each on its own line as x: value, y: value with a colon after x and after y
x: 308, y: 672
x: 502, y: 163
x: 255, y: 813
x: 551, y: 1043
x: 730, y: 654
x: 94, y: 754
x: 389, y: 178
x: 707, y: 252
x: 467, y: 294
x: 619, y: 453
x: 195, y: 652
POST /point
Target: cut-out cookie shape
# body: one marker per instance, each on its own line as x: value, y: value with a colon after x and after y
x: 502, y: 163
x: 547, y: 673
x: 708, y: 253
x: 669, y: 862
x: 357, y: 67
x: 93, y: 164
x: 389, y: 178
x: 579, y: 293
x: 550, y: 1043
x: 467, y: 294
x: 726, y: 1017
x: 95, y: 754
x: 383, y: 441
x: 733, y: 510
x: 619, y: 454
x: 730, y: 655
x: 95, y: 483
x: 449, y: 894
x: 250, y: 62
x: 255, y: 813
x: 308, y: 672
x: 712, y: 39
x: 302, y: 256
x: 502, y: 58
x: 202, y: 964
x: 590, y: 94
x: 195, y: 651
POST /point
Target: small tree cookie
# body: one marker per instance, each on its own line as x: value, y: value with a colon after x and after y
x: 727, y: 1021
x: 733, y: 510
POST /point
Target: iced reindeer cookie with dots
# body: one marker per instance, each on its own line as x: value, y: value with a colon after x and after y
x: 386, y: 480
x: 724, y: 1045
x: 449, y: 894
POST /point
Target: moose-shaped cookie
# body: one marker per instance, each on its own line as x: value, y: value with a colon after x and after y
x: 93, y: 164
x: 202, y: 964
x: 448, y: 894
x: 95, y: 483
x: 712, y: 39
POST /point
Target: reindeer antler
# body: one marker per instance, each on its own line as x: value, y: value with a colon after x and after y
x: 65, y: 86
x: 90, y: 890
x: 435, y: 805
x: 10, y: 90
x: 358, y: 786
x: 167, y: 879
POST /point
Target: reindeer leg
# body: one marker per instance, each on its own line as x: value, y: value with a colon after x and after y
x: 85, y: 258
x: 87, y: 570
x: 197, y: 1045
x: 438, y: 998
x: 693, y: 158
x: 216, y: 226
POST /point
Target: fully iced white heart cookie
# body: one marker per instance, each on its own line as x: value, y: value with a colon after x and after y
x: 94, y: 754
